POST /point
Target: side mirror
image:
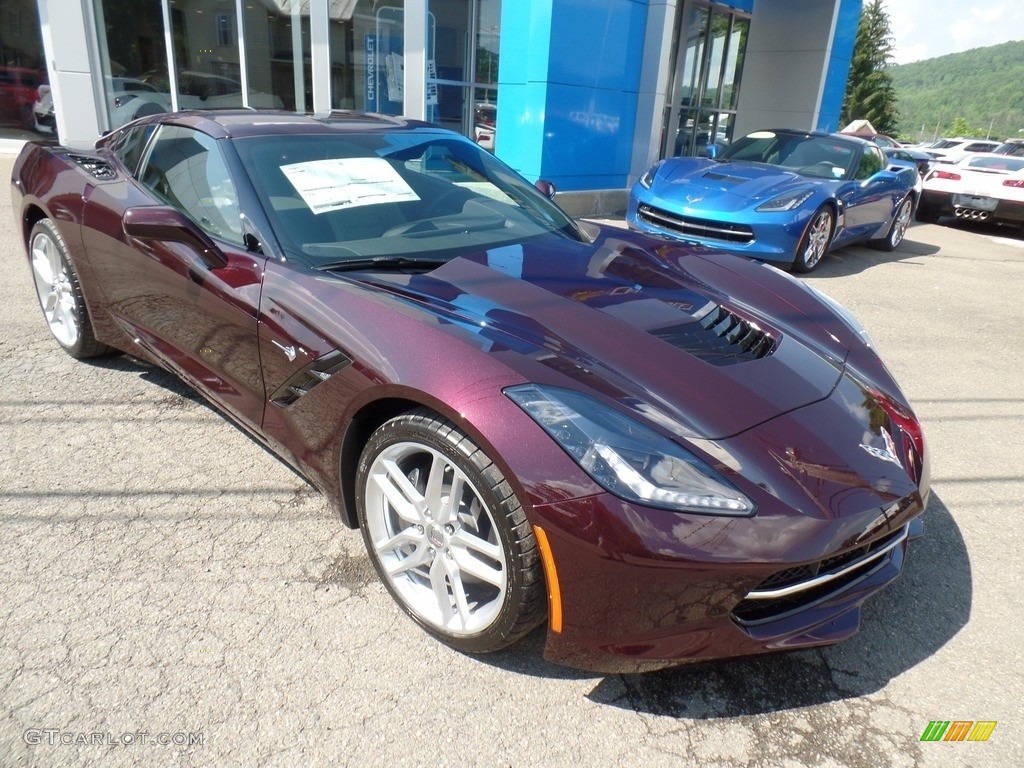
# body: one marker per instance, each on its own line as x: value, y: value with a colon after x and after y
x: 711, y: 151
x: 546, y: 188
x: 165, y: 224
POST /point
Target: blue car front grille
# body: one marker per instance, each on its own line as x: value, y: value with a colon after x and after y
x: 690, y: 226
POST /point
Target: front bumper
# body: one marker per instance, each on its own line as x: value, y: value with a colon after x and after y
x: 773, y: 238
x: 644, y: 589
x: 628, y: 615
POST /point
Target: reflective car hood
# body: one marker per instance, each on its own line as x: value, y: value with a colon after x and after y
x: 629, y: 324
x: 724, y: 186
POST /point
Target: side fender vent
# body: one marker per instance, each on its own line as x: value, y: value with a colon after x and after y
x: 309, y: 376
x: 95, y: 167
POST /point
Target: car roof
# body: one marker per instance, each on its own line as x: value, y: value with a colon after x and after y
x: 244, y: 123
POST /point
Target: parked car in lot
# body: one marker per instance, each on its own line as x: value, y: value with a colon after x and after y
x: 526, y: 416
x: 922, y: 160
x: 1013, y: 147
x: 954, y: 150
x: 127, y: 97
x: 485, y: 125
x: 203, y: 90
x: 981, y: 187
x: 18, y: 89
x: 879, y: 139
x: 781, y: 196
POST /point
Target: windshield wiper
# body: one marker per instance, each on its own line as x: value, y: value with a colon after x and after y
x: 381, y: 262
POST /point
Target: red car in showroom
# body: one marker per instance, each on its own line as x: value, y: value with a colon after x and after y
x: 666, y: 453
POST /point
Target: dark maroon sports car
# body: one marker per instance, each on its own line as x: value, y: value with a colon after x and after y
x: 667, y: 453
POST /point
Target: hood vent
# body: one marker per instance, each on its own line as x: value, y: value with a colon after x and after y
x: 720, y: 176
x: 719, y: 337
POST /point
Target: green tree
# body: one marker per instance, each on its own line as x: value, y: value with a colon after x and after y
x: 870, y: 94
x: 960, y: 127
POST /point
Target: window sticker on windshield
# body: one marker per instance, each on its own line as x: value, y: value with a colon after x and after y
x: 347, y: 182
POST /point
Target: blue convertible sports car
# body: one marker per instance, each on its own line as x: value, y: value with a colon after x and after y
x: 781, y: 196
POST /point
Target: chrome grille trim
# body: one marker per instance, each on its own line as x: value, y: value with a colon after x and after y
x: 696, y: 227
x: 792, y: 589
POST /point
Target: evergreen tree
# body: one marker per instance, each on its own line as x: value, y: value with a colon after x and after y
x: 870, y: 94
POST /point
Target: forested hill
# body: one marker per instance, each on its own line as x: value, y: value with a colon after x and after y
x: 984, y: 87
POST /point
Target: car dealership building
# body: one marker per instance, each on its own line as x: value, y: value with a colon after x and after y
x: 584, y: 93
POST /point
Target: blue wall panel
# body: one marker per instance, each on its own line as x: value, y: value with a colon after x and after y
x: 525, y: 46
x: 598, y: 42
x: 838, y: 69
x: 570, y: 70
x: 589, y: 136
x: 569, y: 80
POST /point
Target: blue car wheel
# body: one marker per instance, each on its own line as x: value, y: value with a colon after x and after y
x: 898, y: 229
x: 816, y: 240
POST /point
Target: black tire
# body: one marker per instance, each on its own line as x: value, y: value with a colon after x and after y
x: 432, y: 553
x: 816, y: 240
x: 60, y: 292
x: 926, y: 214
x: 898, y: 229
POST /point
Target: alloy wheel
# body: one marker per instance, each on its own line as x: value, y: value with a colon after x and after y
x: 55, y: 288
x: 901, y: 224
x: 435, y: 539
x: 815, y: 242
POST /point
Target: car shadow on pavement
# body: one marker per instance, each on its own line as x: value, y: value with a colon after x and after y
x: 854, y: 259
x: 988, y: 229
x: 901, y: 627
x: 149, y: 373
x: 180, y: 395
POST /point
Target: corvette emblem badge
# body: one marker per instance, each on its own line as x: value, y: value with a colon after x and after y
x: 885, y: 454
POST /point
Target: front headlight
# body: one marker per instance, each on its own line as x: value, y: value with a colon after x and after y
x: 788, y: 201
x: 648, y: 176
x: 627, y: 458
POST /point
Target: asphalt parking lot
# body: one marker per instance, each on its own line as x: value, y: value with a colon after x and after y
x: 174, y: 595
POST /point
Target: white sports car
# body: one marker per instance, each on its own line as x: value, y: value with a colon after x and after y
x: 981, y: 187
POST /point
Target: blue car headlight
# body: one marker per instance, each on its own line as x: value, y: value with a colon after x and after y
x: 648, y: 176
x: 787, y: 201
x: 627, y: 458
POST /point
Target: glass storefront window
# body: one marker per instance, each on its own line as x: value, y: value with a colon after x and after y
x: 733, y: 64
x: 710, y: 41
x: 386, y: 92
x: 463, y: 67
x: 207, y: 68
x: 277, y: 55
x: 206, y: 61
x: 485, y: 94
x: 133, y: 58
x: 22, y: 68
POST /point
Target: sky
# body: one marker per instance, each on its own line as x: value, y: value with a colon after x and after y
x: 924, y: 29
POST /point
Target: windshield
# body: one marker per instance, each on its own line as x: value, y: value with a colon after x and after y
x: 819, y: 156
x: 409, y: 194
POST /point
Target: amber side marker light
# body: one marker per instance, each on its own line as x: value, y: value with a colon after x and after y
x: 551, y: 576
